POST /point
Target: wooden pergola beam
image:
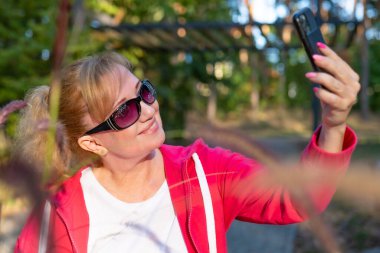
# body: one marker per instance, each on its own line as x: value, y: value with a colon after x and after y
x: 208, y: 36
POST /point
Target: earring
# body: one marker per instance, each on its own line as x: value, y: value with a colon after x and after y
x: 102, y: 151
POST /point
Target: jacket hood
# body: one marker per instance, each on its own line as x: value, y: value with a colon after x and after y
x: 70, y: 189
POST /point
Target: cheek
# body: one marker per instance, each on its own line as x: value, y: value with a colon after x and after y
x: 157, y: 114
x: 119, y: 140
x: 123, y: 144
x: 127, y: 143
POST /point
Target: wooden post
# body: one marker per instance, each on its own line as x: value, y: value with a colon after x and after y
x: 255, y: 95
x: 364, y: 103
x: 1, y: 213
x: 212, y: 103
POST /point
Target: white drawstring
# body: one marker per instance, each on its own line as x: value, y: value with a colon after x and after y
x: 44, y: 229
x: 207, y: 202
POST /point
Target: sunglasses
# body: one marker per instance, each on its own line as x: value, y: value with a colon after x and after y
x: 129, y: 112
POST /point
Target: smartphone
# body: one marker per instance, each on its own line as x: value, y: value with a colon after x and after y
x: 309, y: 33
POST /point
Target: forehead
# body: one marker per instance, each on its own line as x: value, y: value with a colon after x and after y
x: 122, y: 83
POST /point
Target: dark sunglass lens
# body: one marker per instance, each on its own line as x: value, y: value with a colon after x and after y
x: 127, y: 114
x: 148, y: 93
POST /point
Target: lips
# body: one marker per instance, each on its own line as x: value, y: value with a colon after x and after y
x: 151, y: 128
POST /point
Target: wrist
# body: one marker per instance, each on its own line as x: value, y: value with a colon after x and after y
x: 335, y: 130
x: 331, y: 138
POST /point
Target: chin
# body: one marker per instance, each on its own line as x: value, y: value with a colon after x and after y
x: 154, y: 141
x: 160, y: 137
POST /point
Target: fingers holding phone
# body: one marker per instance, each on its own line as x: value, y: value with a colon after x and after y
x: 341, y: 83
x: 339, y: 79
x: 333, y: 64
x: 341, y: 86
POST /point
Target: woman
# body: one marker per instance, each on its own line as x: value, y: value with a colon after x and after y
x: 144, y: 196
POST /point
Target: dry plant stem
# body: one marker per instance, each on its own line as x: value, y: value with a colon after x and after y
x: 59, y: 49
x: 360, y: 187
x: 293, y: 181
x: 318, y: 227
x: 1, y: 213
x: 52, y: 129
x: 238, y: 141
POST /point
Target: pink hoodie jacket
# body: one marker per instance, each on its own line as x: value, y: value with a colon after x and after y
x: 233, y: 185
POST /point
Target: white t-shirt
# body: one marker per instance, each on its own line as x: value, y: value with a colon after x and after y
x: 150, y: 226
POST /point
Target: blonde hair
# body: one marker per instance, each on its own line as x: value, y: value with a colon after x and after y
x: 83, y: 89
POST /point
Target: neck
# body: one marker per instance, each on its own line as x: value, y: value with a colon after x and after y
x: 136, y: 180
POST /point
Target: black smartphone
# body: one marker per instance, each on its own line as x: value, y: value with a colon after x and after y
x: 309, y: 32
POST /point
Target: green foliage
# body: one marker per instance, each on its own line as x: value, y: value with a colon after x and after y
x: 374, y: 74
x: 374, y: 63
x: 27, y: 30
x: 26, y: 37
x: 162, y: 11
x: 175, y: 78
x: 297, y: 86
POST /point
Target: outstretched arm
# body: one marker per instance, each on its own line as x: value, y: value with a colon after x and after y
x: 324, y: 161
x: 341, y: 86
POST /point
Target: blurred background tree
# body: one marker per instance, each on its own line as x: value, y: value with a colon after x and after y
x: 26, y: 39
x: 218, y: 82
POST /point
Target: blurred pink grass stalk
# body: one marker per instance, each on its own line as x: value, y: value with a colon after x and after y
x: 9, y: 108
x: 18, y: 172
x: 21, y: 176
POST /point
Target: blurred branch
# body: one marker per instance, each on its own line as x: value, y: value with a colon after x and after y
x: 59, y: 49
x: 59, y: 46
x: 78, y: 21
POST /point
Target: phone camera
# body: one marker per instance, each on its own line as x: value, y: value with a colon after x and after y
x: 304, y: 23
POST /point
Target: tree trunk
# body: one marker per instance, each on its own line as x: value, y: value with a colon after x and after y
x: 364, y: 102
x: 1, y: 213
x: 78, y: 21
x: 255, y: 95
x: 212, y: 103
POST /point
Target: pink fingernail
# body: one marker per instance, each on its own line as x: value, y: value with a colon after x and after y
x: 315, y: 89
x: 311, y: 74
x: 317, y: 57
x: 321, y: 45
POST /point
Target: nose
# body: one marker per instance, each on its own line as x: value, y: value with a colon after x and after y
x: 147, y: 111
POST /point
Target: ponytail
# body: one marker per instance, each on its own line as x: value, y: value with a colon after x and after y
x: 85, y: 92
x: 31, y: 135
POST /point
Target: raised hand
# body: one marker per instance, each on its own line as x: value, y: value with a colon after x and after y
x: 341, y: 86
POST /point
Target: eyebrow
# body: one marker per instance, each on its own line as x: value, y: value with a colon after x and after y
x: 121, y: 101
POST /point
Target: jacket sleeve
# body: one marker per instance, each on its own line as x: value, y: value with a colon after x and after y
x: 55, y: 236
x: 28, y: 239
x: 251, y: 192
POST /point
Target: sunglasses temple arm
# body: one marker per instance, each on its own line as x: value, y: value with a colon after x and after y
x: 102, y: 127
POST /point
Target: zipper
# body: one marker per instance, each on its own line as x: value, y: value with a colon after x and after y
x: 188, y: 200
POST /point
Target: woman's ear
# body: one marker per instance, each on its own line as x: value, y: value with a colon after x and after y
x: 90, y: 144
